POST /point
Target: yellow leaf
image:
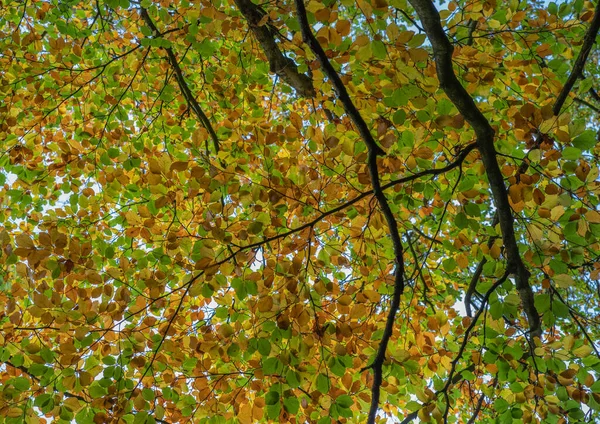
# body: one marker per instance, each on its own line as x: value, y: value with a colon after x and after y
x: 583, y: 351
x: 245, y: 414
x: 24, y: 241
x: 593, y: 217
x: 535, y: 232
x: 495, y: 251
x: 404, y: 37
x: 72, y: 404
x: 372, y: 295
x: 14, y: 412
x: 154, y: 166
x: 462, y: 260
x: 568, y: 342
x: 564, y: 281
x: 303, y: 319
x: 345, y: 300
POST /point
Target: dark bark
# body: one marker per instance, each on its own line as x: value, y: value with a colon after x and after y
x: 282, y: 66
x: 442, y: 51
x: 374, y: 150
x: 183, y: 86
x: 588, y: 42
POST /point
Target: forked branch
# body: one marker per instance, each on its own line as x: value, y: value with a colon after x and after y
x: 282, y: 66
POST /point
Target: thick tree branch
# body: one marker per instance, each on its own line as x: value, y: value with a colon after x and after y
x: 442, y: 50
x: 183, y: 85
x: 374, y: 150
x: 471, y: 290
x: 281, y: 65
x: 588, y: 41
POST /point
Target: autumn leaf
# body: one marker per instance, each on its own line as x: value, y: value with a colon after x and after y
x: 304, y: 211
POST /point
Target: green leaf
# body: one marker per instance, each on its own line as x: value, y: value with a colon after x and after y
x: 264, y: 347
x: 97, y: 391
x: 323, y: 383
x: 542, y: 302
x: 461, y: 220
x: 571, y: 153
x: 379, y: 50
x: 399, y: 117
x: 20, y: 383
x: 586, y: 140
x: 271, y: 366
x: 413, y: 406
x: 337, y: 367
x: 148, y: 394
x: 45, y: 402
x: 291, y: 404
x: 271, y: 398
x: 292, y: 378
x: 38, y: 369
x: 344, y: 401
x: 273, y: 411
x: 140, y: 417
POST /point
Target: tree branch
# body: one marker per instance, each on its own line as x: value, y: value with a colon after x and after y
x: 374, y: 150
x: 588, y: 41
x: 471, y: 290
x: 336, y: 81
x: 280, y: 65
x: 183, y: 86
x: 586, y: 103
x: 442, y: 50
x: 459, y: 159
x: 473, y: 418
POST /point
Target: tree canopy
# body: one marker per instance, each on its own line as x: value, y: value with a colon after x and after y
x: 229, y: 211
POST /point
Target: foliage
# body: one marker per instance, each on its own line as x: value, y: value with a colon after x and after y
x: 198, y: 225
